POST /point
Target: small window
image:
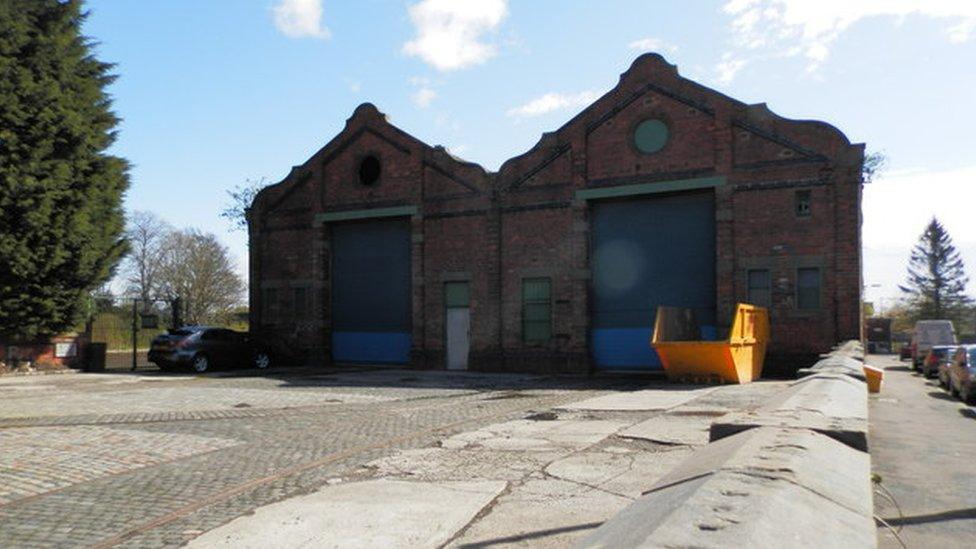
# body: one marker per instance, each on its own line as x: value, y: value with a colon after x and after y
x: 759, y: 293
x: 803, y: 203
x: 536, y: 309
x: 269, y: 303
x: 300, y: 305
x: 369, y: 170
x: 457, y: 294
x: 650, y: 136
x: 808, y: 288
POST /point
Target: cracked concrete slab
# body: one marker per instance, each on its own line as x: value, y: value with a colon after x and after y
x: 645, y: 400
x: 476, y: 464
x: 831, y: 404
x: 542, y: 513
x: 375, y: 513
x: 535, y: 436
x: 691, y: 430
x: 627, y: 474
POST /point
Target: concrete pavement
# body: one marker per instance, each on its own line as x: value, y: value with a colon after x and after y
x: 923, y: 444
x: 157, y: 461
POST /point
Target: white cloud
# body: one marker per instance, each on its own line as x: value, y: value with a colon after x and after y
x: 424, y: 92
x: 423, y: 97
x: 728, y: 67
x: 300, y: 18
x: 552, y: 102
x: 652, y: 44
x: 450, y: 33
x: 810, y: 28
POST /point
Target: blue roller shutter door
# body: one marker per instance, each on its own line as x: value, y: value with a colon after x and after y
x: 645, y: 253
x: 371, y: 292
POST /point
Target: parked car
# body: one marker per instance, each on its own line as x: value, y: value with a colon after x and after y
x: 962, y: 374
x: 906, y: 352
x: 929, y: 333
x: 939, y: 354
x: 203, y: 348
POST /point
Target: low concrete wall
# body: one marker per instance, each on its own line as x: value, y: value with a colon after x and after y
x: 794, y: 473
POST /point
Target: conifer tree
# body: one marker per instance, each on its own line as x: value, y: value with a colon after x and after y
x: 61, y: 217
x: 936, y: 285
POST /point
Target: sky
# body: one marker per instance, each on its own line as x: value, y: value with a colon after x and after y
x: 213, y: 93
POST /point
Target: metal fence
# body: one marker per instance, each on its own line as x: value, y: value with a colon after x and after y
x: 127, y: 327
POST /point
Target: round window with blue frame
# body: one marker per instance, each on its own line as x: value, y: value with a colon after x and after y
x: 650, y: 136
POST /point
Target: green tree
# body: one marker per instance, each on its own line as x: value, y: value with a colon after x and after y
x: 874, y: 164
x: 241, y: 198
x: 936, y: 285
x: 61, y: 217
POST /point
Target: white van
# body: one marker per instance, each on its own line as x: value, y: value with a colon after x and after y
x: 928, y: 333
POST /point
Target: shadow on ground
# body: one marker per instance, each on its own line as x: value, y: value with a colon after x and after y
x: 956, y: 514
x: 942, y: 395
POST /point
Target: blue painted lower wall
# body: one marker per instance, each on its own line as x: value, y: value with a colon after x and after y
x: 624, y: 349
x: 372, y: 347
x: 630, y: 348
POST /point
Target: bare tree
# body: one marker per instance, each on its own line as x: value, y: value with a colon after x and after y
x: 147, y: 235
x: 198, y: 269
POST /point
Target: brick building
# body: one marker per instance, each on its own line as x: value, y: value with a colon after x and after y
x: 381, y: 248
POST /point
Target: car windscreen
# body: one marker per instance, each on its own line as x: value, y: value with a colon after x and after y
x: 972, y: 357
x: 940, y: 353
x: 182, y: 332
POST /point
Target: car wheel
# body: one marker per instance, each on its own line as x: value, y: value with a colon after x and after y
x: 262, y: 360
x: 200, y: 364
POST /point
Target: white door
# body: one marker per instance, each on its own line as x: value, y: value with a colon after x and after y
x: 458, y: 337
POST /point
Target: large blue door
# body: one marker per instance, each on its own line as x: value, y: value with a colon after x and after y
x: 645, y: 253
x: 371, y: 297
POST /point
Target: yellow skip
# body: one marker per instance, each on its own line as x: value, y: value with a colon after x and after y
x: 737, y: 360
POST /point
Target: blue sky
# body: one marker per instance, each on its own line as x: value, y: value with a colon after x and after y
x: 214, y: 92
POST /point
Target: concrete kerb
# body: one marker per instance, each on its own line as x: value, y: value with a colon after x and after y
x: 793, y: 472
x: 832, y: 404
x: 847, y: 359
x: 767, y: 487
x: 836, y: 365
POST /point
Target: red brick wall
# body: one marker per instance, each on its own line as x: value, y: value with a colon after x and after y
x: 525, y: 220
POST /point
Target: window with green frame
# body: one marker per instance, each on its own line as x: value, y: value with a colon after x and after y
x: 808, y: 285
x: 300, y: 302
x: 536, y: 309
x: 759, y: 288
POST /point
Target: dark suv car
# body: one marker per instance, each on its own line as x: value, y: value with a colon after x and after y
x: 203, y: 348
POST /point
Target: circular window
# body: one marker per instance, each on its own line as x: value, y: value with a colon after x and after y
x: 369, y: 170
x: 651, y: 136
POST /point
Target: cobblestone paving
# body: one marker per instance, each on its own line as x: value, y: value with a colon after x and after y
x: 39, y: 460
x: 164, y: 471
